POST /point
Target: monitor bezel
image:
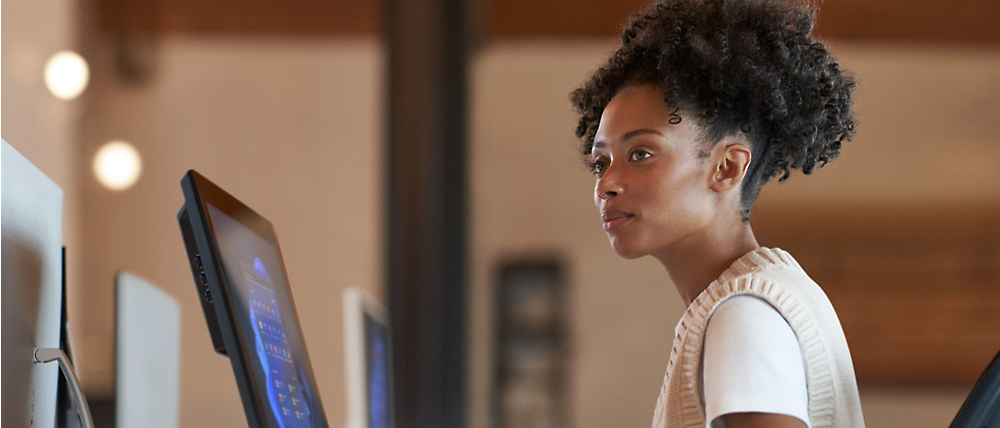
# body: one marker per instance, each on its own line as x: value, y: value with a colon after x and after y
x: 199, y: 192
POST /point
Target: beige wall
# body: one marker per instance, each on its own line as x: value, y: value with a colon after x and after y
x: 532, y: 194
x: 929, y: 130
x: 929, y: 133
x: 39, y: 125
x: 293, y: 129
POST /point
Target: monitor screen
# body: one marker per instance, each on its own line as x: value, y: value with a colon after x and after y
x: 377, y: 376
x: 368, y: 361
x: 262, y: 307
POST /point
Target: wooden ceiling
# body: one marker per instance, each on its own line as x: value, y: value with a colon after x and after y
x: 921, y: 21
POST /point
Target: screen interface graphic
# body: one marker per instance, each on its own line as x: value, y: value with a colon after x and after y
x: 254, y: 272
x: 376, y: 354
x: 284, y: 384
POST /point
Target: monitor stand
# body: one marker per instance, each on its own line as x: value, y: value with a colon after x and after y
x: 48, y: 355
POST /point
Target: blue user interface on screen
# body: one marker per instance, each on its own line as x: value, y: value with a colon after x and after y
x: 377, y: 362
x: 255, y: 275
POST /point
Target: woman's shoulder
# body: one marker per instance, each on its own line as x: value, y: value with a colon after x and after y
x: 747, y: 315
x: 745, y: 308
x: 769, y: 273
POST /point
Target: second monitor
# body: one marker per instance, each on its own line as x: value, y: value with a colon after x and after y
x: 241, y: 281
x: 368, y: 361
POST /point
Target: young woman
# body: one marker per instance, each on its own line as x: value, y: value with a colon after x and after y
x: 704, y: 102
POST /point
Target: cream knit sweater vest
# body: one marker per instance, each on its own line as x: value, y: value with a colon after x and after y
x: 772, y: 275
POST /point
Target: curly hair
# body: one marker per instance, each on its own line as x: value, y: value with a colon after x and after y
x: 736, y: 66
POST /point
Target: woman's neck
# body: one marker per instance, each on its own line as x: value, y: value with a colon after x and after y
x: 696, y: 261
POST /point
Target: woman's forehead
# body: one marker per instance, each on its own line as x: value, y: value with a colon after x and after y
x: 635, y: 108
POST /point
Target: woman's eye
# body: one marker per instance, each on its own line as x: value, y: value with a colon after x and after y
x: 640, y: 155
x: 598, y: 167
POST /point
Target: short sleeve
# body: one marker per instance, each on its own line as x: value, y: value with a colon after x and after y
x: 752, y: 363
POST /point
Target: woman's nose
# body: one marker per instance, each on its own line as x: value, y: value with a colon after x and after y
x: 608, y: 185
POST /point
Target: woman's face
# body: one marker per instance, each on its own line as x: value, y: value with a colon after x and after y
x: 652, y: 187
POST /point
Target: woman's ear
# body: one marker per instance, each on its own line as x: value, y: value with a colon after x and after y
x: 730, y: 165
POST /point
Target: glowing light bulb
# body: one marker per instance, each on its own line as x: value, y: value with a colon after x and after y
x: 66, y: 75
x: 117, y: 165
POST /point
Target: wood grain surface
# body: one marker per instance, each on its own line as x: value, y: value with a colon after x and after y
x: 917, y: 288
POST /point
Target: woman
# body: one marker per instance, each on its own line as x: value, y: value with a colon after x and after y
x: 704, y: 102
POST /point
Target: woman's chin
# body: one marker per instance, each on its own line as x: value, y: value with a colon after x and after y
x: 625, y: 251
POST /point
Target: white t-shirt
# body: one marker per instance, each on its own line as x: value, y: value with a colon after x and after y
x: 752, y: 363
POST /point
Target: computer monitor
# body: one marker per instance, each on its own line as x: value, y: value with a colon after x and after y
x: 32, y: 296
x: 240, y: 278
x: 368, y: 361
x: 147, y: 354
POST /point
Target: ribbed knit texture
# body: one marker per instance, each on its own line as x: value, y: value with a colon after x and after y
x: 772, y: 275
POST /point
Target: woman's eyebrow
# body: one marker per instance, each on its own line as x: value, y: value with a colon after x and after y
x: 600, y: 144
x: 637, y: 132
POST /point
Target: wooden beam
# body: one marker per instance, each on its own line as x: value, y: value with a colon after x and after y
x: 917, y: 21
x: 935, y: 21
x: 923, y: 21
x: 559, y: 19
x: 257, y: 17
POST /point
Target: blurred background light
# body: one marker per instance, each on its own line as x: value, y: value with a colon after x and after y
x: 66, y: 75
x: 117, y: 165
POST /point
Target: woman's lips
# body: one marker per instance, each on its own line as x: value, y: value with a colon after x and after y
x: 613, y: 219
